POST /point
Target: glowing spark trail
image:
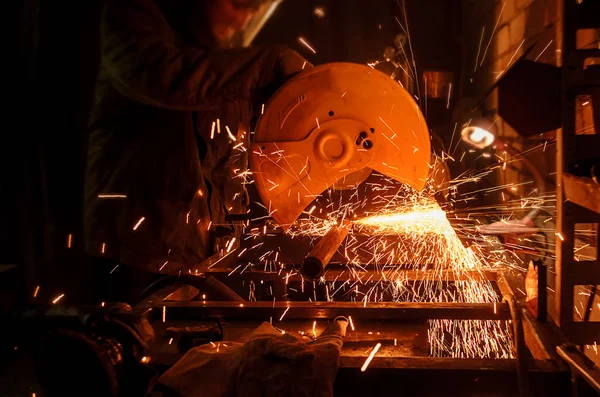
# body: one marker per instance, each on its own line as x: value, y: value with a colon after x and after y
x: 493, y: 32
x: 368, y: 361
x: 59, y: 297
x: 305, y: 43
x: 139, y: 223
x: 286, y: 310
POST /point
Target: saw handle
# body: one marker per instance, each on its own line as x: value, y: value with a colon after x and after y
x: 318, y: 258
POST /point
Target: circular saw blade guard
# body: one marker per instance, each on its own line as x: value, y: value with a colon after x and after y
x: 331, y: 122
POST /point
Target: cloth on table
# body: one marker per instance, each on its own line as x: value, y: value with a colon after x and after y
x: 270, y: 363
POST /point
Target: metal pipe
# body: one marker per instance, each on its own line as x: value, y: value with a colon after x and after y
x: 520, y: 349
x: 318, y: 258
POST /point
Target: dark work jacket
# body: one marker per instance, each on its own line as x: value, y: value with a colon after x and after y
x: 155, y: 179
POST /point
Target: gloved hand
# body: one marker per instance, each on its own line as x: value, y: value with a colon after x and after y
x: 269, y: 364
x: 291, y: 63
x: 287, y: 64
x: 272, y: 364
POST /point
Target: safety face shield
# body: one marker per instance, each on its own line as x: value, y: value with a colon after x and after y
x: 265, y: 9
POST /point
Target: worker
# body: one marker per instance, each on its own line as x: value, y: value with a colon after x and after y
x: 167, y: 135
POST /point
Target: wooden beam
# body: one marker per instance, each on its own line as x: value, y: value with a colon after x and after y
x: 582, y: 191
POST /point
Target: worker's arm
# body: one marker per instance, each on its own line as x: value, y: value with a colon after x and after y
x: 140, y: 55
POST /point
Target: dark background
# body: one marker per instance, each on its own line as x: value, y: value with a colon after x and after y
x: 57, y: 47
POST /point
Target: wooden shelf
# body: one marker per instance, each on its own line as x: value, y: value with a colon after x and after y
x: 582, y: 191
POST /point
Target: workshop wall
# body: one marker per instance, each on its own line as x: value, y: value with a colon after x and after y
x: 519, y: 24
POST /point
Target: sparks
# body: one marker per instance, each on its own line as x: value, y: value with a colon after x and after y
x: 139, y: 223
x: 545, y: 48
x: 59, y: 297
x: 37, y: 289
x: 230, y: 245
x: 69, y: 240
x: 351, y: 323
x: 305, y: 43
x: 164, y: 314
x: 368, y: 361
x: 231, y: 136
x: 560, y: 236
x: 493, y: 32
x: 285, y: 311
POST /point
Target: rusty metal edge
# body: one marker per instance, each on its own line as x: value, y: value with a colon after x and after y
x: 577, y: 362
x: 374, y: 311
x: 441, y: 363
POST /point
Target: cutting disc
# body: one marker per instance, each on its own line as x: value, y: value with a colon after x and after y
x: 334, y: 124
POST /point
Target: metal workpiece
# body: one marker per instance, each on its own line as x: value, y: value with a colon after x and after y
x: 318, y: 258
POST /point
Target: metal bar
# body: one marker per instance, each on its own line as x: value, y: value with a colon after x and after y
x: 314, y: 310
x: 565, y: 155
x: 590, y: 304
x: 577, y: 362
x: 345, y: 274
x: 537, y: 339
x: 542, y: 284
x: 519, y: 344
x: 318, y: 258
x: 468, y: 364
